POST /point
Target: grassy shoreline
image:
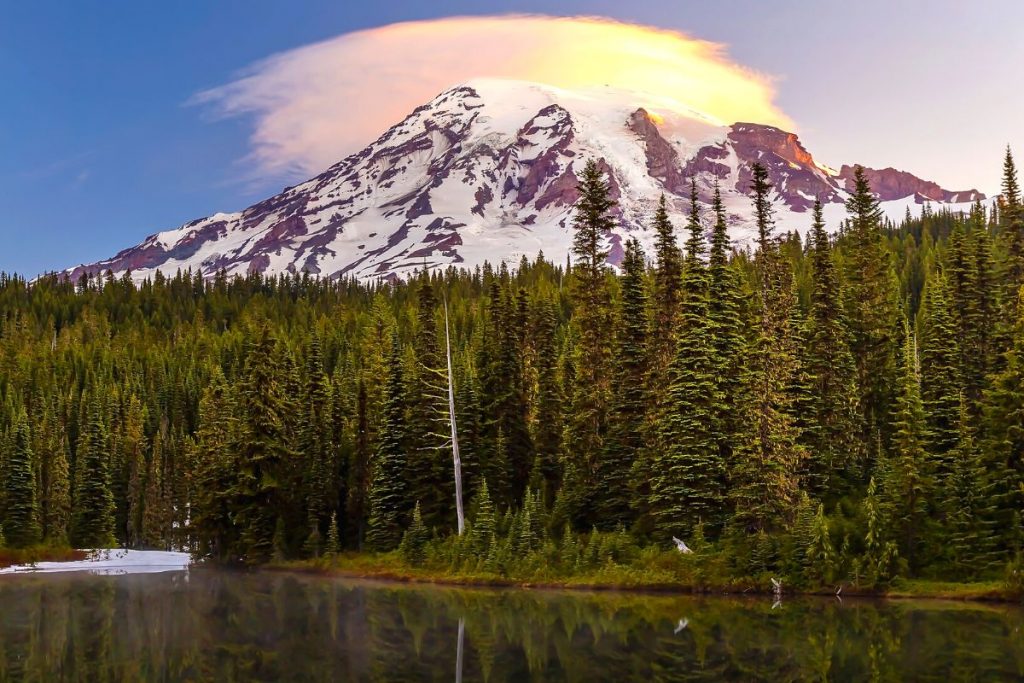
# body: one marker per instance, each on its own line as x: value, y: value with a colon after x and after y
x: 385, y: 568
x: 40, y: 553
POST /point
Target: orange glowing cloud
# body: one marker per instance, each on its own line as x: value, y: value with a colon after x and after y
x: 315, y: 104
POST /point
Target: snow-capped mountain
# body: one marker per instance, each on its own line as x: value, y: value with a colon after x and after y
x: 488, y: 171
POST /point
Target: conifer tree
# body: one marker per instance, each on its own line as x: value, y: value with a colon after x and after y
x: 821, y: 555
x: 964, y: 300
x: 625, y: 433
x: 687, y: 469
x: 388, y: 499
x: 940, y: 385
x: 765, y: 468
x: 725, y: 307
x: 986, y: 305
x: 265, y: 461
x: 871, y: 309
x: 1004, y: 422
x: 968, y: 505
x: 317, y: 441
x: 1012, y: 214
x: 667, y: 296
x: 428, y: 411
x: 415, y: 538
x: 906, y: 485
x: 21, y: 514
x: 57, y: 491
x: 92, y: 514
x: 832, y: 420
x: 483, y: 528
x: 213, y: 447
x: 548, y: 414
x: 587, y: 419
x: 333, y: 537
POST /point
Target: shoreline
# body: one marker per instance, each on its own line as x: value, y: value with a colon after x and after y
x: 976, y: 592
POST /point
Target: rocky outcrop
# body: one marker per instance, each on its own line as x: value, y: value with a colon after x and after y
x: 889, y: 184
x: 662, y: 158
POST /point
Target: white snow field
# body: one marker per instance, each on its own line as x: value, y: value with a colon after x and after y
x: 112, y: 561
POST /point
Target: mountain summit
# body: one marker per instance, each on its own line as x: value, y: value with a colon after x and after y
x: 487, y: 171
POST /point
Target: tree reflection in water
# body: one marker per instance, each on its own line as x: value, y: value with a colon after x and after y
x: 220, y: 626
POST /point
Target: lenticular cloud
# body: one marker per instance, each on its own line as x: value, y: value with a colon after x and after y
x: 315, y: 104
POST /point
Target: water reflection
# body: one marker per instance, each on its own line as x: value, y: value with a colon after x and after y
x: 218, y: 626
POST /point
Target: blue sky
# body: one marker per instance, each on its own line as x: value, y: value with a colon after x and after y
x: 99, y: 148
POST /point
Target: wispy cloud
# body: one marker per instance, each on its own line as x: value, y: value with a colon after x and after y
x: 313, y: 105
x: 70, y: 165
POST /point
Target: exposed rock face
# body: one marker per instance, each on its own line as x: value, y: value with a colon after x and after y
x: 662, y: 158
x: 889, y: 184
x: 488, y: 171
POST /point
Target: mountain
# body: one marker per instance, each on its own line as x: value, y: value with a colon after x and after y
x: 487, y: 171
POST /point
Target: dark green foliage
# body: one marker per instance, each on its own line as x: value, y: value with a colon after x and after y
x: 832, y: 417
x: 1005, y: 434
x: 687, y: 470
x: 388, y: 501
x: 587, y: 418
x: 767, y: 457
x: 940, y: 378
x: 741, y: 400
x: 1011, y: 211
x: 21, y: 509
x: 871, y: 308
x: 415, y: 538
x: 625, y: 438
x: 92, y: 513
x: 906, y: 480
x: 667, y: 295
x: 264, y: 461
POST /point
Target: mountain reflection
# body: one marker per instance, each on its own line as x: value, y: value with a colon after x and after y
x: 221, y: 626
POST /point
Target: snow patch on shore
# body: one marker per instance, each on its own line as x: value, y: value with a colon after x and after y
x: 112, y: 561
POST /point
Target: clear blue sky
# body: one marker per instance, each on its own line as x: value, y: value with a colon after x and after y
x: 98, y: 148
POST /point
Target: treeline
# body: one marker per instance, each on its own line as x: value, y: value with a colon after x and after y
x: 864, y: 389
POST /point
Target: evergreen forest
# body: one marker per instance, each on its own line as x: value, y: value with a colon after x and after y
x: 846, y: 406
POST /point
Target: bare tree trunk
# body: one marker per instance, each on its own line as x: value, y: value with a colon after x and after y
x: 458, y: 652
x: 455, y: 433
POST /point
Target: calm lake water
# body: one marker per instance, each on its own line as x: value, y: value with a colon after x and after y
x: 207, y: 625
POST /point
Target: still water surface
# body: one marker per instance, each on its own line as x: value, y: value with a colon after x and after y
x: 207, y: 625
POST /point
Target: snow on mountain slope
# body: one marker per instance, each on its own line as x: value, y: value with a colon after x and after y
x: 487, y: 171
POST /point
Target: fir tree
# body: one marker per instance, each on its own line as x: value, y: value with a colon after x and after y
x: 415, y: 538
x: 333, y: 537
x: 906, y: 484
x: 548, y: 414
x: 264, y: 461
x: 21, y: 514
x: 667, y: 296
x: 1012, y: 214
x: 968, y: 506
x: 92, y: 515
x: 388, y: 500
x: 940, y: 385
x: 1004, y: 422
x: 725, y: 306
x: 215, y: 472
x: 587, y: 420
x: 832, y: 420
x: 821, y: 555
x: 687, y: 469
x: 483, y: 529
x: 428, y: 413
x: 768, y: 457
x: 625, y: 437
x: 871, y: 310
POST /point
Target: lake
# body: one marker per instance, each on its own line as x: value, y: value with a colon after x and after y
x: 208, y: 625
